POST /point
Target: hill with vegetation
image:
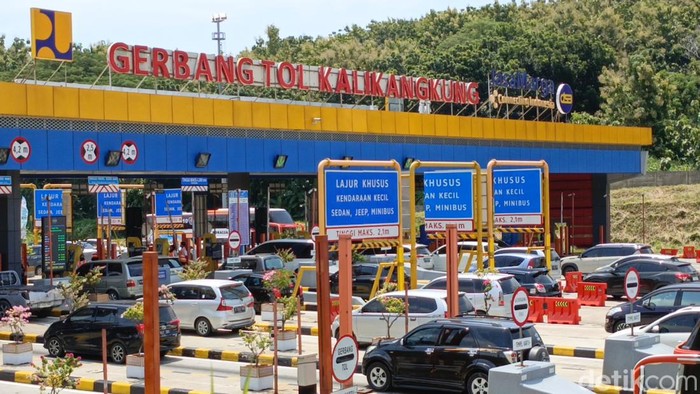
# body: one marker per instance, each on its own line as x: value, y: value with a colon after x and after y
x: 663, y: 216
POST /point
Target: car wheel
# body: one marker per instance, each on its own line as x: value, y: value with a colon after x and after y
x: 37, y: 270
x: 55, y: 347
x: 113, y: 295
x: 619, y: 326
x: 478, y: 383
x: 117, y: 353
x: 203, y: 327
x: 379, y: 377
x: 4, y: 306
x: 538, y: 353
x: 567, y: 269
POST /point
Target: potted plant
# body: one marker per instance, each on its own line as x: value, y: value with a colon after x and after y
x: 286, y: 339
x: 255, y: 376
x: 135, y: 362
x: 17, y: 352
x: 55, y: 374
x: 274, y: 281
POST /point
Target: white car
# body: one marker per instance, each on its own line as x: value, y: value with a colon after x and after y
x: 472, y: 284
x: 206, y: 305
x: 467, y: 248
x: 555, y: 272
x: 369, y: 322
x: 601, y: 255
x: 673, y: 328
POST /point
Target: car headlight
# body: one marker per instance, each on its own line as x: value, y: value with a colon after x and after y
x: 614, y: 310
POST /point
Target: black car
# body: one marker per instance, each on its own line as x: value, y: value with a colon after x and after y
x: 537, y: 281
x: 256, y: 284
x: 655, y: 271
x: 448, y: 354
x: 81, y: 331
x: 363, y: 276
x: 654, y: 305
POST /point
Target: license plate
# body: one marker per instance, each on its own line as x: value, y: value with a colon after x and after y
x: 239, y: 309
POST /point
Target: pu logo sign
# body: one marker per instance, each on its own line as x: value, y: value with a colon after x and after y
x: 52, y: 35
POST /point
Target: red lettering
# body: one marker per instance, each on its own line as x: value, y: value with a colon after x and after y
x: 377, y: 85
x: 422, y: 89
x: 300, y: 79
x: 473, y: 93
x: 159, y: 58
x: 118, y: 63
x: 324, y: 84
x: 434, y: 93
x: 408, y: 89
x: 291, y: 71
x: 139, y: 56
x: 392, y: 89
x: 225, y: 69
x: 356, y: 83
x: 203, y: 68
x: 181, y: 67
x: 460, y: 92
x: 267, y: 66
x: 446, y: 91
x: 245, y: 71
x: 343, y: 84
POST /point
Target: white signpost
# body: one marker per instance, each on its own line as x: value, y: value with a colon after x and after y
x: 520, y: 310
x: 344, y: 358
x: 632, y: 284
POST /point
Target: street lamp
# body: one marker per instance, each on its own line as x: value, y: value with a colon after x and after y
x: 218, y: 36
x: 573, y: 220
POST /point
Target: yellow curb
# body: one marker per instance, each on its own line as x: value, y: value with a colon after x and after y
x: 563, y: 351
x: 5, y: 335
x: 600, y: 354
x: 229, y: 355
x: 176, y: 352
x: 164, y: 390
x: 85, y: 384
x: 121, y: 388
x: 294, y: 361
x: 606, y: 389
x: 314, y: 331
x: 31, y: 337
x: 198, y: 392
x: 201, y: 353
x: 23, y: 376
x: 658, y: 391
x: 266, y: 358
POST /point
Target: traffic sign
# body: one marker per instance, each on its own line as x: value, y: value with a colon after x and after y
x: 110, y: 208
x: 130, y: 152
x: 239, y: 214
x: 633, y: 318
x: 20, y: 149
x: 632, y: 284
x: 314, y: 232
x: 43, y: 199
x: 517, y: 195
x: 522, y: 344
x: 5, y: 184
x: 364, y: 204
x: 89, y: 151
x: 520, y: 307
x: 344, y: 358
x: 234, y: 239
x: 169, y: 206
x: 103, y: 184
x: 194, y: 184
x: 448, y: 200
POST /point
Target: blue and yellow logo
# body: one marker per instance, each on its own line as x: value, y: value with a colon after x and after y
x: 52, y: 35
x: 565, y: 99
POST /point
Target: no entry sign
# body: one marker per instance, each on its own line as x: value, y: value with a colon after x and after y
x: 234, y: 239
x: 632, y: 284
x: 520, y: 308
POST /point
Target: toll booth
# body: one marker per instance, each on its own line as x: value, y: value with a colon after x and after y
x: 134, y: 246
x: 212, y: 251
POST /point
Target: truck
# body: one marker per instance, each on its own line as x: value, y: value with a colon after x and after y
x: 40, y: 299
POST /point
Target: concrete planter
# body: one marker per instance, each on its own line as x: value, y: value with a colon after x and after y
x: 266, y: 312
x: 135, y: 366
x: 17, y: 353
x: 258, y: 378
x: 286, y: 340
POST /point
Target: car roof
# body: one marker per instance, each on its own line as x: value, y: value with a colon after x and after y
x: 613, y: 244
x: 430, y: 293
x: 289, y: 240
x: 517, y: 270
x: 491, y: 321
x: 206, y: 282
x: 474, y: 275
x: 522, y: 255
x: 685, y: 285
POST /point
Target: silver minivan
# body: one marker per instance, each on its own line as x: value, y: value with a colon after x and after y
x: 120, y: 278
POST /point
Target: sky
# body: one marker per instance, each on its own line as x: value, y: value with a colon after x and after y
x: 186, y: 24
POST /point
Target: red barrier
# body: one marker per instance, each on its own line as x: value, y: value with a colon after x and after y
x: 562, y: 310
x: 670, y: 252
x: 335, y: 307
x: 536, y: 310
x: 697, y: 256
x: 592, y: 294
x: 689, y: 252
x: 572, y: 279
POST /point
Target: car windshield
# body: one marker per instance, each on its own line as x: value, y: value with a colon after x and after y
x: 234, y: 292
x: 422, y: 250
x: 281, y: 216
x: 646, y: 250
x: 273, y: 263
x: 167, y: 314
x: 686, y: 268
x: 536, y: 277
x: 508, y: 284
x: 527, y: 332
x: 135, y: 269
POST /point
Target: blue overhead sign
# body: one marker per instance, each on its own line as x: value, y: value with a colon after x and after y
x: 103, y: 180
x: 43, y: 199
x: 169, y: 206
x: 195, y: 184
x: 5, y: 180
x: 109, y: 208
x: 517, y: 196
x: 449, y: 199
x: 364, y: 204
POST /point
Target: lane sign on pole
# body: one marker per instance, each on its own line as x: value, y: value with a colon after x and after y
x: 169, y: 206
x: 234, y: 239
x: 314, y: 232
x: 448, y: 200
x: 364, y: 204
x: 517, y: 195
x: 110, y: 208
x: 520, y: 307
x: 344, y: 358
x: 5, y: 184
x: 45, y: 199
x: 632, y: 284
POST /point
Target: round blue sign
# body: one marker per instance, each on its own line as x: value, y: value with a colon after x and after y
x: 565, y: 98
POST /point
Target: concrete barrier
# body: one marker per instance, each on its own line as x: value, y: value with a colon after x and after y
x: 533, y: 378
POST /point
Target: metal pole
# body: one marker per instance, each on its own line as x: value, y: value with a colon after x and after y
x: 324, y: 316
x: 151, y: 338
x: 275, y: 333
x: 299, y: 323
x: 644, y: 222
x: 48, y: 202
x: 452, y: 268
x: 104, y: 360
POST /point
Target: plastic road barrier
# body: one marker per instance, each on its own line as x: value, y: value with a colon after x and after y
x: 563, y: 310
x: 572, y: 279
x: 592, y: 294
x: 536, y: 309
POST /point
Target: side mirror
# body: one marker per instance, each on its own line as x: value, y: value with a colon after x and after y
x: 655, y: 329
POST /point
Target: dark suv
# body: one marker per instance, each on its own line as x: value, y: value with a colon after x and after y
x: 80, y: 332
x: 448, y: 354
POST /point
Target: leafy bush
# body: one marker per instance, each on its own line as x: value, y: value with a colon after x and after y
x: 56, y: 374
